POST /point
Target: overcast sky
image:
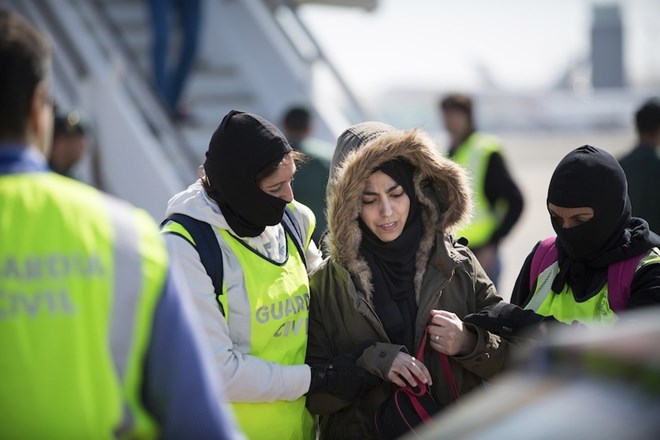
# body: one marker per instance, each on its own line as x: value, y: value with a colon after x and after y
x: 517, y: 44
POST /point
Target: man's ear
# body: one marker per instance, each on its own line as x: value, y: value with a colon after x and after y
x: 40, y: 123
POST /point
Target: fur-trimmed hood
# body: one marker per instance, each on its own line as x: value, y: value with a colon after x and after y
x: 441, y: 188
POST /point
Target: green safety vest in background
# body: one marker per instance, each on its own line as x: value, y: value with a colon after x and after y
x: 473, y: 155
x: 76, y: 309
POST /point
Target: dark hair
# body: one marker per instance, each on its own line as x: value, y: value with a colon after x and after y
x: 68, y: 124
x: 297, y: 119
x: 297, y: 157
x: 25, y: 59
x: 647, y: 117
x: 457, y: 101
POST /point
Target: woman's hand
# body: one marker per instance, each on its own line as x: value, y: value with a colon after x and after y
x: 448, y: 335
x: 407, y: 370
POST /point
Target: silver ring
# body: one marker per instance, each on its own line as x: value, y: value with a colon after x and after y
x: 437, y: 338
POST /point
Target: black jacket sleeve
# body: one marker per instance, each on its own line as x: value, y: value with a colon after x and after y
x: 645, y: 288
x: 500, y: 185
x: 521, y: 291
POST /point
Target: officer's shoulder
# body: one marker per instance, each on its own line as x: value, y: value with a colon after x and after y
x: 301, y: 212
x: 126, y: 211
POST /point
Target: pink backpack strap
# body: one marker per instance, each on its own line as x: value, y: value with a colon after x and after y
x: 544, y: 256
x: 619, y: 281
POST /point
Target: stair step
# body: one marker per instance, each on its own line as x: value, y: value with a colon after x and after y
x: 137, y: 40
x: 198, y: 138
x: 128, y: 12
x: 205, y: 87
x: 210, y: 113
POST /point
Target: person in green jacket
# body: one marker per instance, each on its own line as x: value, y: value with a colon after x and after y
x: 312, y: 174
x: 395, y: 269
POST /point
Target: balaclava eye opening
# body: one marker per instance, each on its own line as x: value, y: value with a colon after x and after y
x: 589, y: 176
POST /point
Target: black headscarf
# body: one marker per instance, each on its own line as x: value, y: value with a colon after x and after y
x: 243, y: 145
x: 590, y: 176
x: 392, y: 264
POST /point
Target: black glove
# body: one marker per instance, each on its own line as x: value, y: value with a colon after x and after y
x: 505, y: 319
x: 341, y: 377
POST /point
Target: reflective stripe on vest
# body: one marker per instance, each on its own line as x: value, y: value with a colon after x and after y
x: 140, y: 262
x: 278, y: 305
x: 565, y: 308
x: 76, y: 308
x: 474, y: 155
x: 653, y: 257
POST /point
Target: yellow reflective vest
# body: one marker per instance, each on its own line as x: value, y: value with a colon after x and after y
x: 266, y: 306
x: 473, y: 155
x: 564, y: 307
x: 278, y: 296
x: 80, y: 275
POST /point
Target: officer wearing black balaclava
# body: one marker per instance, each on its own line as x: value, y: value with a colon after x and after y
x: 255, y: 307
x: 243, y: 145
x: 589, y: 177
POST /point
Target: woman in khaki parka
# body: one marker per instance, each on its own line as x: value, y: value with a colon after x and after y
x: 394, y: 269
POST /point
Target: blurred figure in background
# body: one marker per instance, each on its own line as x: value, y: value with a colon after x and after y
x: 97, y: 340
x: 73, y: 149
x: 170, y: 73
x: 603, y: 261
x: 69, y: 143
x: 642, y: 165
x: 312, y: 175
x: 498, y: 200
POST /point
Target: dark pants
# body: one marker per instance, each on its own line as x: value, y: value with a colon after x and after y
x: 170, y: 75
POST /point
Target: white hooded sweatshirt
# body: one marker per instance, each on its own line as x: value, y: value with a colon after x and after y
x: 246, y: 378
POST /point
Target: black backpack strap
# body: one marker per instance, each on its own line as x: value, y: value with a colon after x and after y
x: 291, y: 225
x: 207, y: 247
x: 209, y: 250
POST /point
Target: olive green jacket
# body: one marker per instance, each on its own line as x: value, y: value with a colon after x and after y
x: 448, y: 277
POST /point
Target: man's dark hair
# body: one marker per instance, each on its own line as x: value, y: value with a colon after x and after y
x: 68, y: 124
x: 457, y: 101
x: 647, y: 117
x: 24, y: 63
x: 297, y: 119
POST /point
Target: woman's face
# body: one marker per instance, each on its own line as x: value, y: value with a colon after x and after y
x: 568, y: 218
x: 278, y: 184
x: 385, y: 206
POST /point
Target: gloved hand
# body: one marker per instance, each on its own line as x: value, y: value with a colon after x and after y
x: 341, y: 377
x: 505, y: 319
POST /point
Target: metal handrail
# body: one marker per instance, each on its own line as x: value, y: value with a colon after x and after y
x: 144, y: 97
x: 361, y: 112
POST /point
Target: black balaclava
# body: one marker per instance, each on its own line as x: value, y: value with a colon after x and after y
x: 590, y: 176
x: 392, y: 264
x: 243, y: 145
